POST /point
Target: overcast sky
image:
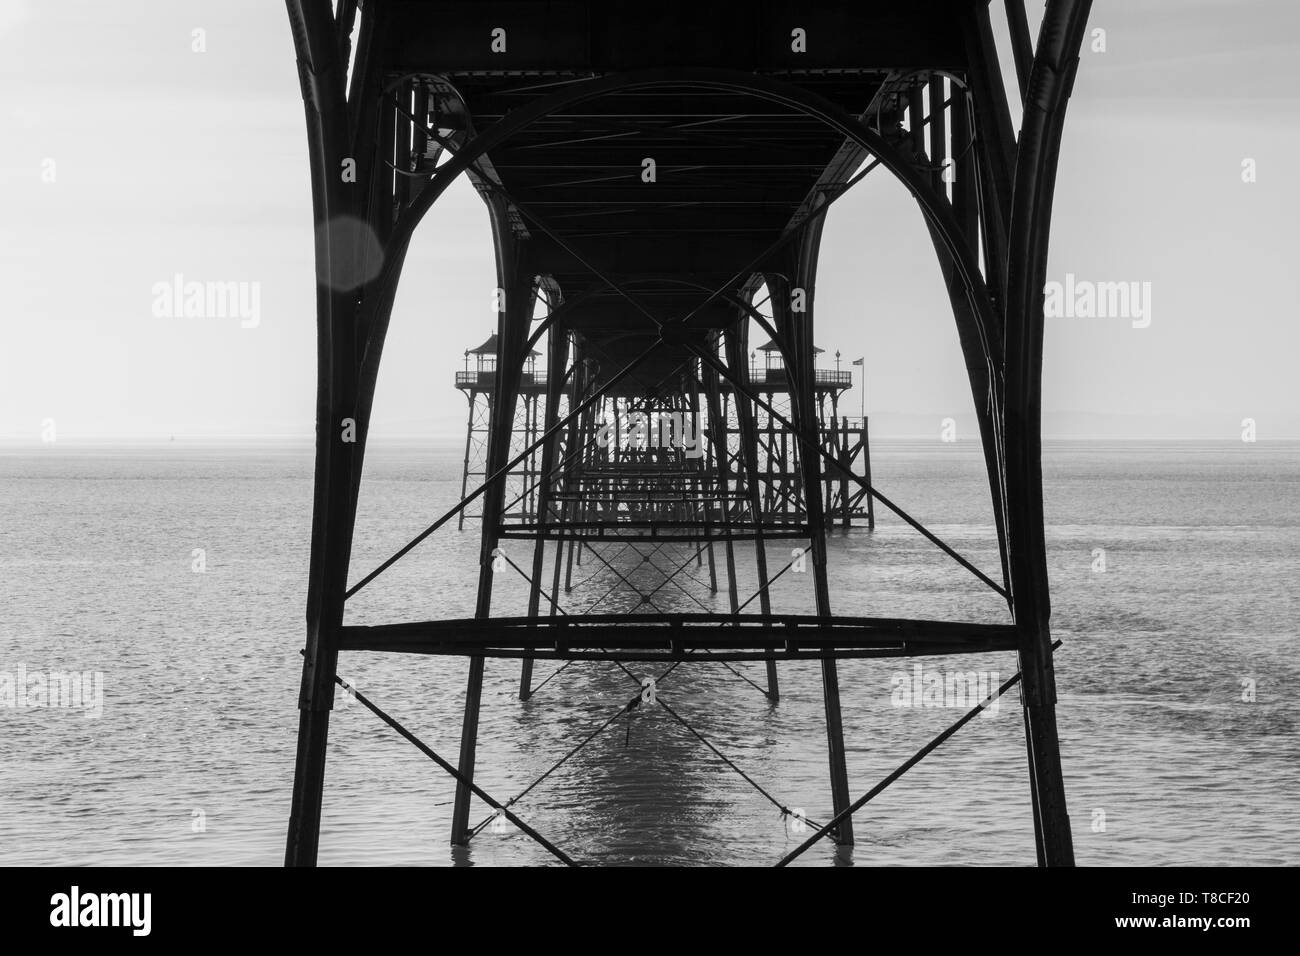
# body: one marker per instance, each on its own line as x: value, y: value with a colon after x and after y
x: 167, y: 161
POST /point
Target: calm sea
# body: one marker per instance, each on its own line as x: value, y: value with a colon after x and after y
x: 1177, y: 715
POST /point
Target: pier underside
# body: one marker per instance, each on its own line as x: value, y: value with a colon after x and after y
x: 657, y: 177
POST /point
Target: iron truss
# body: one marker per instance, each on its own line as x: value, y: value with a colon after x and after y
x: 658, y: 176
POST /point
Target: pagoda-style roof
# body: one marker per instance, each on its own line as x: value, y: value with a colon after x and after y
x: 773, y: 347
x: 490, y: 348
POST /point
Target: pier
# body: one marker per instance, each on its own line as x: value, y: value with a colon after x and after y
x: 657, y: 177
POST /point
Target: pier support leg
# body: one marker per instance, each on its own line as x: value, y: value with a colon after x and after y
x: 344, y: 392
x: 721, y: 474
x: 866, y: 464
x: 557, y: 354
x: 736, y: 344
x: 309, y: 770
x: 515, y: 277
x: 1053, y: 839
x: 468, y: 750
x: 526, y: 679
x: 1036, y: 156
x: 796, y: 328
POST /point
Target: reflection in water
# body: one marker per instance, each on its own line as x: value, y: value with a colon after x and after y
x: 646, y: 794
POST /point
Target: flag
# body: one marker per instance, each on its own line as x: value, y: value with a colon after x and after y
x: 862, y: 361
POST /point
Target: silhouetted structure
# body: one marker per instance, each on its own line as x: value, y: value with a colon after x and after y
x: 648, y: 170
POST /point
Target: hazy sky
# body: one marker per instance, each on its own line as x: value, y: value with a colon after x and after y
x: 168, y: 161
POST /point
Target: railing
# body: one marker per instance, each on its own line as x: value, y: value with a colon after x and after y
x: 827, y: 376
x: 758, y: 376
x: 778, y: 376
x: 488, y: 377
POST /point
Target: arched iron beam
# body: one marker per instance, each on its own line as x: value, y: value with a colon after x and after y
x: 1050, y: 83
x: 1022, y: 47
x: 333, y: 508
x: 938, y: 212
x: 935, y: 208
x: 987, y: 324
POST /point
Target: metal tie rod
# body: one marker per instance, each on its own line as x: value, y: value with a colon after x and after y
x: 459, y: 777
x: 906, y: 766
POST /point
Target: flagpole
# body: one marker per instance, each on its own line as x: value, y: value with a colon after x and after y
x: 862, y: 363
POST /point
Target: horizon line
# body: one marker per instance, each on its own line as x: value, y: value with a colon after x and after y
x: 295, y: 438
